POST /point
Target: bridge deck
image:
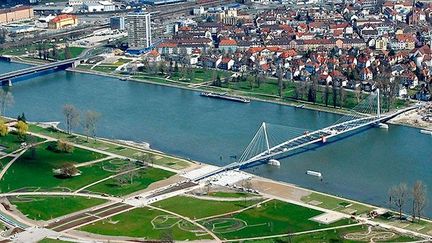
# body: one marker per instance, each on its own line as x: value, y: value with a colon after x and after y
x: 308, y: 139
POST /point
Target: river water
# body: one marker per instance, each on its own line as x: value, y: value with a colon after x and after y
x: 361, y: 166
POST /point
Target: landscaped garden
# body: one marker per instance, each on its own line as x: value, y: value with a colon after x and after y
x: 202, y: 208
x: 149, y: 224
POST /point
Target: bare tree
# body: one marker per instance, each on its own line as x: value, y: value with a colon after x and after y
x: 398, y: 196
x: 6, y: 99
x: 280, y: 82
x: 89, y: 124
x: 419, y: 199
x: 72, y: 117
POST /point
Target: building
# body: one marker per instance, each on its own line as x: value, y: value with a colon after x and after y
x: 101, y: 6
x: 81, y: 2
x: 139, y: 30
x: 15, y: 14
x: 117, y: 23
x: 62, y: 21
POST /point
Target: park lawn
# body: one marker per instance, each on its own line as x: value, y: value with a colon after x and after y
x: 231, y: 194
x: 28, y: 172
x: 49, y: 207
x: 160, y: 159
x: 4, y: 161
x: 335, y: 235
x: 48, y: 240
x: 200, y: 75
x: 276, y: 217
x: 74, y: 51
x: 333, y: 203
x: 138, y: 223
x: 104, y: 68
x: 145, y: 177
x: 11, y: 142
x: 201, y: 208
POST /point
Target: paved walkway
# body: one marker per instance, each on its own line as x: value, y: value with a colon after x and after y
x: 4, y: 170
x: 13, y: 194
x: 94, y: 161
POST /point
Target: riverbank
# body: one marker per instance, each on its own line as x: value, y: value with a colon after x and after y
x: 244, y: 94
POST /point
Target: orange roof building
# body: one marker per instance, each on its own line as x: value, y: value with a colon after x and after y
x: 62, y: 21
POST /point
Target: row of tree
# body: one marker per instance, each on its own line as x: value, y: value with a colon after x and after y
x: 46, y: 52
x: 88, y: 121
x: 400, y: 197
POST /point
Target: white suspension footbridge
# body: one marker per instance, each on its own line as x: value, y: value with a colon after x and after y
x: 272, y: 141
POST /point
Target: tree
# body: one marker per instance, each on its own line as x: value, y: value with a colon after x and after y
x: 358, y: 93
x: 22, y: 117
x: 398, y: 196
x: 280, y: 82
x: 342, y: 96
x: 6, y: 99
x: 89, y: 124
x: 147, y: 158
x: 22, y: 129
x: 3, y: 128
x: 72, y: 117
x: 217, y: 82
x: 63, y: 146
x: 66, y: 170
x: 419, y: 199
x: 335, y: 94
x: 326, y: 94
x: 67, y: 51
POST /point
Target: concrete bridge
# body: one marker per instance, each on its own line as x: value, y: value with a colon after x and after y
x: 8, y: 78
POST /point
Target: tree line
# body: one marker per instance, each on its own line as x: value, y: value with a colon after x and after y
x: 88, y: 121
x: 401, y: 197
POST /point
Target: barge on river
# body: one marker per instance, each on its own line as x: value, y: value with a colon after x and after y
x: 225, y: 96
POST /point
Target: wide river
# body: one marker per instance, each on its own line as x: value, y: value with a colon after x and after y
x: 181, y: 122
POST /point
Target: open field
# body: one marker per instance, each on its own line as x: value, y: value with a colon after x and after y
x: 147, y: 223
x: 29, y: 171
x: 46, y: 207
x: 336, y: 204
x: 201, y: 208
x: 271, y: 218
x: 159, y: 159
x: 143, y: 178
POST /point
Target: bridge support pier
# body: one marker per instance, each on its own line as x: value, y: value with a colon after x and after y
x: 7, y: 82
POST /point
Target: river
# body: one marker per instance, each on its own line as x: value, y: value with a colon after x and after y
x: 362, y: 166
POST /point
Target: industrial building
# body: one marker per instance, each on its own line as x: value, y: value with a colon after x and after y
x: 15, y: 14
x: 101, y: 6
x: 139, y: 30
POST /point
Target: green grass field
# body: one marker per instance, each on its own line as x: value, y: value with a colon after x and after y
x: 45, y: 208
x: 160, y: 159
x: 138, y: 223
x: 231, y: 194
x: 272, y: 218
x: 336, y: 235
x: 29, y: 172
x: 142, y: 180
x: 197, y: 208
x: 11, y: 142
x: 337, y: 204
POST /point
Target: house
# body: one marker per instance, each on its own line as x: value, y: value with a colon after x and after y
x: 228, y: 45
x: 226, y: 63
x: 153, y: 56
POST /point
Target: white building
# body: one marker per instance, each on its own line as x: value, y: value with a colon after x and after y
x: 139, y: 30
x: 101, y: 6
